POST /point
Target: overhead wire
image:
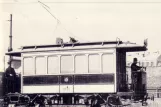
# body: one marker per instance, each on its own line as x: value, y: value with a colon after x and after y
x: 58, y: 21
x: 46, y: 7
x: 49, y: 12
x: 44, y: 4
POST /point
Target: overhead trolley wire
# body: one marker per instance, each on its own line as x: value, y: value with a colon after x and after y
x: 58, y: 21
x: 44, y: 4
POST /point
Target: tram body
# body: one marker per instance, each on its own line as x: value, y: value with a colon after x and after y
x: 70, y: 71
x: 76, y: 69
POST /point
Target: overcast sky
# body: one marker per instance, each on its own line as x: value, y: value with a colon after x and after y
x: 86, y: 20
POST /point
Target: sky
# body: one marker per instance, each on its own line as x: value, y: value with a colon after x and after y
x: 85, y: 20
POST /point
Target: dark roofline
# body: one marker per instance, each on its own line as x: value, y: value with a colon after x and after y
x: 132, y: 49
x: 118, y: 47
x: 72, y: 44
x: 122, y: 49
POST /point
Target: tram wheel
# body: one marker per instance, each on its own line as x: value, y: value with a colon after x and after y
x: 95, y: 103
x: 114, y: 101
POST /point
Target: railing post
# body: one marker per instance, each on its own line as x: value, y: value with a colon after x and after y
x: 157, y: 92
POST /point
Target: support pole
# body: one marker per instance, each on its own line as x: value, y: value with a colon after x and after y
x: 10, y: 36
x: 10, y: 40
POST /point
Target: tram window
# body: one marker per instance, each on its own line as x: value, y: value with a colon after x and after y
x: 40, y: 65
x: 81, y: 64
x: 53, y: 65
x: 67, y: 64
x: 28, y: 66
x: 108, y: 63
x: 94, y: 63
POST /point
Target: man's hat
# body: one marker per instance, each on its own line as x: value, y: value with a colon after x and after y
x: 135, y: 59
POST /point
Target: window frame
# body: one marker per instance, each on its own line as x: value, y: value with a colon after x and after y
x: 33, y: 61
x: 86, y: 58
x: 45, y: 72
x: 58, y: 58
x: 114, y: 65
x: 73, y: 65
x: 99, y: 59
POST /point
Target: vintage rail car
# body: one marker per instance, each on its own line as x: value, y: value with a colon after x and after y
x: 67, y: 73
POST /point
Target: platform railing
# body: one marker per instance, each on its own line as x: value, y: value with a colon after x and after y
x: 156, y: 91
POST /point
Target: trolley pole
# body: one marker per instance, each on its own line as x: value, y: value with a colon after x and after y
x: 10, y: 36
x: 10, y: 39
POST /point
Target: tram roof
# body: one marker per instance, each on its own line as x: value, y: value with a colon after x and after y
x: 123, y: 46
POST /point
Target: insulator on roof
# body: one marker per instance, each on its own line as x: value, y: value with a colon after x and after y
x: 59, y: 41
x: 73, y: 40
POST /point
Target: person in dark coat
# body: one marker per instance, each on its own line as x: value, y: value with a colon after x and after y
x: 10, y: 76
x: 134, y: 68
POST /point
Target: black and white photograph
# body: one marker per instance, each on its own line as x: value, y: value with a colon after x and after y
x: 80, y: 53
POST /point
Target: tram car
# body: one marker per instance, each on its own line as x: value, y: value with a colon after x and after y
x: 91, y: 73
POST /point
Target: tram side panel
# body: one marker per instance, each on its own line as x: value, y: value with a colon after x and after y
x: 103, y: 81
x: 92, y: 72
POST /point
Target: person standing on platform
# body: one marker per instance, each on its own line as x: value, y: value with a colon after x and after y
x: 134, y: 68
x: 10, y: 76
